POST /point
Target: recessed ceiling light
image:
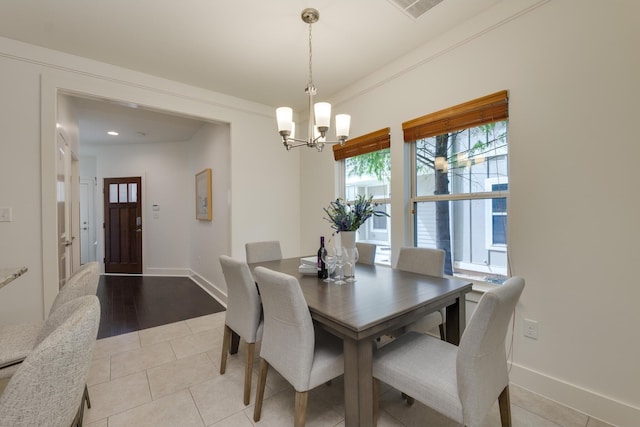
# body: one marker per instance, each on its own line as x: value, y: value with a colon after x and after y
x: 113, y: 133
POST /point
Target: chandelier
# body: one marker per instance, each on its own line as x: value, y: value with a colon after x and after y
x: 318, y: 122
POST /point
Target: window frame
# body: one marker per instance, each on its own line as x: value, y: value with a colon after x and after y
x: 463, y: 116
x: 490, y: 215
x: 374, y: 141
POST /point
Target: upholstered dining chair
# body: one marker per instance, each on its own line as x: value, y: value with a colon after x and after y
x: 243, y: 315
x: 305, y: 356
x: 82, y: 282
x: 460, y: 382
x: 59, y: 365
x: 16, y: 341
x: 430, y: 262
x: 366, y: 253
x: 263, y: 251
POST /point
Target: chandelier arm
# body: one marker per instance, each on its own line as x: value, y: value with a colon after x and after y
x: 308, y: 142
x: 340, y: 141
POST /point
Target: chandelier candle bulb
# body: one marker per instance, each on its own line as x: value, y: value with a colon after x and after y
x: 285, y: 119
x: 323, y: 115
x: 343, y: 122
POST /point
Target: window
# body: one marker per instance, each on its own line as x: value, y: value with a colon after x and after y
x: 460, y: 186
x: 366, y: 165
x: 497, y: 216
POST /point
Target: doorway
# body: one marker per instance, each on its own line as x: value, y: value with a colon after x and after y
x: 87, y: 222
x: 123, y: 225
x: 63, y: 189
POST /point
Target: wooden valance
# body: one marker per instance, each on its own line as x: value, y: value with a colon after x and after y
x: 368, y: 143
x: 488, y: 109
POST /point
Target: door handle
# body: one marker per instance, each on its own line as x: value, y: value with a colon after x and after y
x: 68, y: 243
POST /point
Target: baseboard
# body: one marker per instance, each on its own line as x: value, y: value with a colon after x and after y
x: 209, y: 287
x: 596, y: 405
x: 179, y: 272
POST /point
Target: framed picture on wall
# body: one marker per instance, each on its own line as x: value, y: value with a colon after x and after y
x: 203, y: 195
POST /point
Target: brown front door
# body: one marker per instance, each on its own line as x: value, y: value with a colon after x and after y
x: 122, y: 225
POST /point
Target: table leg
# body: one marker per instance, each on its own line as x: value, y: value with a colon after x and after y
x: 358, y: 383
x: 456, y: 319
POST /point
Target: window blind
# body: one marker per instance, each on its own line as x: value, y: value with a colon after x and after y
x: 368, y: 143
x: 488, y: 109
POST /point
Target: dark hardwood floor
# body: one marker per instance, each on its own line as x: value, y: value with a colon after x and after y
x: 131, y: 303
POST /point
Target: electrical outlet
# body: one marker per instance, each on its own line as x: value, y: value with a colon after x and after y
x: 5, y: 215
x: 531, y: 329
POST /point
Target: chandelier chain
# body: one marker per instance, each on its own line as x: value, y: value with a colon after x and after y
x: 310, y: 56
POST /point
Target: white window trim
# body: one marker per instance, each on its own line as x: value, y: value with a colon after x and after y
x: 488, y: 218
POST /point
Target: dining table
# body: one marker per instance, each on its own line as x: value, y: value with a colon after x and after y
x: 381, y: 300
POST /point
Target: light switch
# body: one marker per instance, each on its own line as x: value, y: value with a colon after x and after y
x: 5, y: 215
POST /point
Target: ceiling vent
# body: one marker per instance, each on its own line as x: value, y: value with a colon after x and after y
x: 415, y: 8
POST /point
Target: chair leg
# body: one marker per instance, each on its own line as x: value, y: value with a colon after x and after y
x: 505, y: 407
x: 248, y: 372
x: 300, y: 416
x: 443, y: 337
x: 86, y: 396
x: 262, y: 381
x: 78, y: 418
x: 409, y: 400
x: 376, y: 401
x: 226, y: 343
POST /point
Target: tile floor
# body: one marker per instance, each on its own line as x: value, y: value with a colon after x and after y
x: 169, y: 376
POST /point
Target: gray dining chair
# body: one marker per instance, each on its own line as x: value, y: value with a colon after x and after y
x: 243, y: 315
x: 366, y: 253
x: 305, y: 356
x: 461, y: 382
x: 430, y: 262
x: 58, y: 365
x: 83, y: 282
x: 263, y: 251
x: 16, y: 341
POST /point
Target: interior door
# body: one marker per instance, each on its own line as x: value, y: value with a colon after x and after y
x: 123, y: 225
x: 85, y: 199
x: 63, y: 188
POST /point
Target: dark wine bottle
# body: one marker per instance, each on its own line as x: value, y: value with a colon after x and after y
x: 322, y: 268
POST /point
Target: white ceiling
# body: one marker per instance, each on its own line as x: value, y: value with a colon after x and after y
x: 253, y: 49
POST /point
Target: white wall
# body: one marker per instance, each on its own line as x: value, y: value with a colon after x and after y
x: 32, y: 79
x: 209, y: 148
x: 572, y: 75
x: 21, y: 300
